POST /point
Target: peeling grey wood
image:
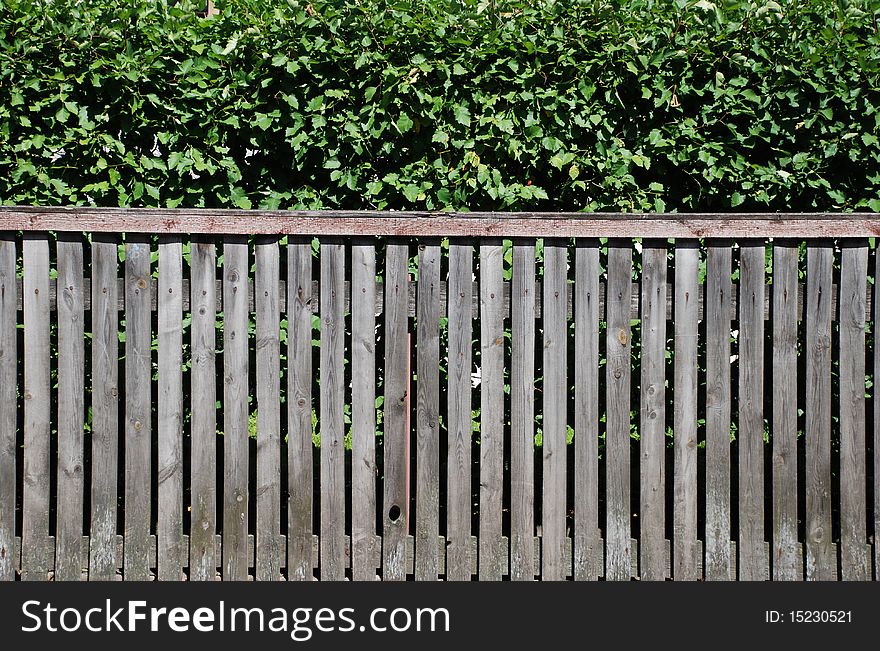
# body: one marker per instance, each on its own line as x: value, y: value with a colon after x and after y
x: 8, y: 405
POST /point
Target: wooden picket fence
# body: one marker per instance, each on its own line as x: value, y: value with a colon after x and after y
x: 698, y: 385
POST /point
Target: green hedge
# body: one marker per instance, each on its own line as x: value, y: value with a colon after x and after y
x: 452, y: 104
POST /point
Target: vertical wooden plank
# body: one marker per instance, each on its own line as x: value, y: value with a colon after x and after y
x: 522, y: 413
x: 203, y: 400
x: 363, y: 409
x: 299, y: 410
x: 750, y: 434
x: 8, y: 404
x: 332, y: 403
x: 851, y: 315
x: 821, y: 564
x: 686, y: 314
x: 587, y: 549
x: 427, y: 558
x: 397, y: 382
x: 491, y: 408
x: 460, y: 424
x: 235, y: 408
x: 138, y: 403
x: 169, y: 530
x: 876, y: 332
x: 268, y: 274
x: 37, y: 399
x: 787, y: 565
x: 652, y: 438
x: 71, y: 378
x: 617, y: 437
x: 719, y: 291
x: 554, y: 566
x: 105, y: 408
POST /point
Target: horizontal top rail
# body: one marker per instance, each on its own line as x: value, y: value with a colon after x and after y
x: 439, y: 224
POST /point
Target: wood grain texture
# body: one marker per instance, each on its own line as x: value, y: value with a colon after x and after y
x: 300, y: 449
x: 396, y: 404
x: 786, y: 561
x: 105, y: 409
x: 876, y: 397
x: 203, y: 401
x: 71, y: 393
x: 331, y: 425
x: 8, y: 405
x: 427, y: 557
x: 685, y: 489
x: 555, y: 390
x: 491, y: 409
x: 235, y: 409
x: 652, y: 437
x: 170, y: 409
x: 138, y: 405
x: 750, y: 432
x: 821, y: 563
x: 522, y: 413
x: 439, y: 224
x: 37, y: 401
x: 268, y: 343
x: 364, y: 470
x: 853, y: 536
x: 460, y: 425
x: 587, y: 549
x: 617, y: 437
x: 718, y: 289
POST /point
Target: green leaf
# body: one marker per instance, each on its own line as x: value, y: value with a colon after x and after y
x: 463, y: 115
x: 404, y: 123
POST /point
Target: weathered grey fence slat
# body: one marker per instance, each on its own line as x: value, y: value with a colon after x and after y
x: 268, y: 344
x: 652, y: 437
x: 718, y: 289
x: 617, y: 386
x: 522, y: 413
x: 138, y: 404
x: 685, y: 489
x: 587, y: 550
x: 8, y: 405
x: 332, y: 403
x: 396, y: 406
x: 71, y: 378
x: 786, y: 561
x: 555, y: 396
x: 821, y: 563
x: 460, y: 426
x: 203, y: 419
x: 37, y: 401
x: 170, y: 407
x: 876, y: 395
x: 363, y: 410
x: 235, y: 408
x: 427, y: 557
x: 300, y: 449
x: 491, y: 409
x: 750, y: 433
x: 853, y: 284
x: 105, y: 409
